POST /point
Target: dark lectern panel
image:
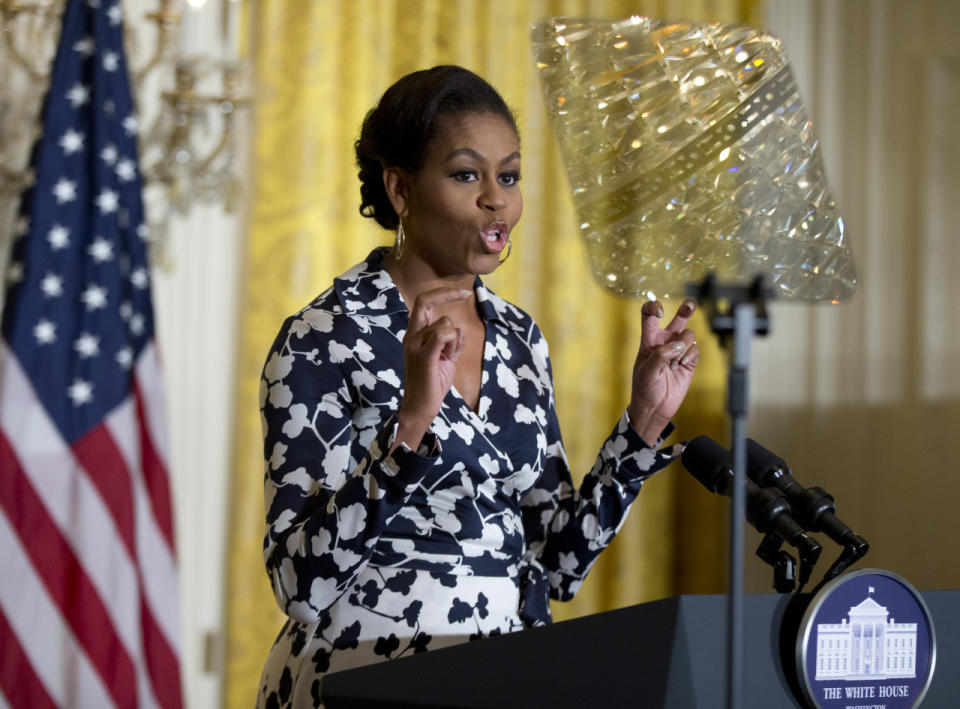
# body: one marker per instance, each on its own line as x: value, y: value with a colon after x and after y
x: 667, y: 654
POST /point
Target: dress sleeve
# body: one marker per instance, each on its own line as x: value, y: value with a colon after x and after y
x: 324, y: 509
x: 566, y: 528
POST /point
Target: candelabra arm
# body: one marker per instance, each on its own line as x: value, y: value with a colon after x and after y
x: 183, y: 159
x: 226, y: 135
x: 167, y: 21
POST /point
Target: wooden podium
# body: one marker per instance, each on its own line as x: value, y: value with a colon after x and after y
x: 667, y: 653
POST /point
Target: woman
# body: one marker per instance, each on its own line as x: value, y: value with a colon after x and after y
x: 417, y: 491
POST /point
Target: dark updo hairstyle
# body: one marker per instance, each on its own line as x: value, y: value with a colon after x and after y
x: 396, y: 131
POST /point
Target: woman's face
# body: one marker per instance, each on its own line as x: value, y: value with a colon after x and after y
x: 465, y: 200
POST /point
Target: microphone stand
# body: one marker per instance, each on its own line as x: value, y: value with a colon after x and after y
x: 786, y: 574
x: 744, y: 316
x: 853, y: 550
x: 784, y: 565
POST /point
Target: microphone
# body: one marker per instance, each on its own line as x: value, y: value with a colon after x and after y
x: 768, y: 511
x: 812, y: 507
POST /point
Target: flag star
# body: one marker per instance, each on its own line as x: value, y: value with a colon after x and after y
x: 137, y: 324
x: 71, y: 142
x: 84, y: 47
x: 87, y: 345
x: 109, y: 107
x: 111, y: 60
x: 101, y: 250
x: 78, y: 95
x: 126, y: 170
x: 45, y: 332
x: 143, y: 231
x: 115, y: 14
x: 14, y: 272
x: 52, y: 285
x: 21, y: 226
x: 94, y: 297
x: 130, y: 124
x: 125, y: 357
x: 139, y: 278
x: 80, y: 392
x: 58, y: 237
x: 65, y: 190
x: 126, y: 310
x: 109, y: 154
x: 107, y: 200
x: 93, y: 3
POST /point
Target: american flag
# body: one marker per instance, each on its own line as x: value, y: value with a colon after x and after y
x: 89, y: 610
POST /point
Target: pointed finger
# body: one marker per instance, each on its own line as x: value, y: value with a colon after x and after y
x: 684, y: 313
x: 650, y: 313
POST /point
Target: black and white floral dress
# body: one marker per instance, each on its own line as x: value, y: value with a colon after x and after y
x: 375, y: 556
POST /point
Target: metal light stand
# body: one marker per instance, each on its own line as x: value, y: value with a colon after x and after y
x: 744, y: 316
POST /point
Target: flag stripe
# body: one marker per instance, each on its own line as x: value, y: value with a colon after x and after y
x: 66, y: 674
x: 65, y: 579
x: 18, y: 682
x: 155, y: 477
x: 155, y: 561
x: 161, y: 661
x: 159, y: 611
x: 103, y: 465
x: 100, y: 457
x: 81, y: 515
x: 149, y: 381
x: 71, y: 500
x: 46, y: 639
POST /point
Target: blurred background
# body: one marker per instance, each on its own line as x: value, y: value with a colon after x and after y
x: 254, y: 198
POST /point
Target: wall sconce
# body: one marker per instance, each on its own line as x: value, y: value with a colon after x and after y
x: 189, y: 143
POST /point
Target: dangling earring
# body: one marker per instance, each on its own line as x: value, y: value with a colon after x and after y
x: 509, y: 249
x: 400, y: 241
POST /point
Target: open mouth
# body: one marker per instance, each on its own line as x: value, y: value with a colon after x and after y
x: 495, y: 237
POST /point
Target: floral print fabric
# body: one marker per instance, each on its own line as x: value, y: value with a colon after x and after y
x: 374, y: 555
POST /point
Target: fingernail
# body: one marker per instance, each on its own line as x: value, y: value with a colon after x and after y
x: 686, y: 359
x: 464, y: 292
x: 659, y: 310
x: 688, y: 307
x: 459, y: 333
x: 677, y: 347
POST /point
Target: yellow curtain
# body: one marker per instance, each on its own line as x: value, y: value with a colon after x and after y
x: 319, y: 66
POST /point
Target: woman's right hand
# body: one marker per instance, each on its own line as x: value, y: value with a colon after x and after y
x: 431, y: 348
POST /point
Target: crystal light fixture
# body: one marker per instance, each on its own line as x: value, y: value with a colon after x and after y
x: 688, y: 151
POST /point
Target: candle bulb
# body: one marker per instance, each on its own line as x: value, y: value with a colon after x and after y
x: 231, y: 26
x: 191, y: 41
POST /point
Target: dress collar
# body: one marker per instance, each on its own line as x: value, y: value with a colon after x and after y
x: 367, y: 289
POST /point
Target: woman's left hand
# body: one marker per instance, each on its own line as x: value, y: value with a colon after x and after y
x: 663, y: 369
